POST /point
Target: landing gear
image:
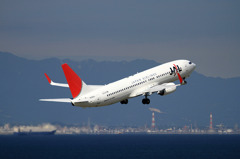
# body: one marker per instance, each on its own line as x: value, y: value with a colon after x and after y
x: 146, y: 101
x: 124, y: 101
x: 184, y: 81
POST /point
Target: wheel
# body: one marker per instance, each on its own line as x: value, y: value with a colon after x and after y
x: 144, y: 101
x: 147, y: 101
x: 124, y: 101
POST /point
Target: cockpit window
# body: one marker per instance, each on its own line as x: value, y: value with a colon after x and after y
x: 190, y: 62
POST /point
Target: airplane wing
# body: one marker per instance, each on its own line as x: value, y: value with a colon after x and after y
x: 163, y: 89
x: 54, y: 83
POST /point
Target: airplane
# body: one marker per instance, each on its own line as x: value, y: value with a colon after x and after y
x: 158, y: 80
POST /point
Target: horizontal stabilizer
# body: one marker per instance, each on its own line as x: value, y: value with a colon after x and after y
x: 64, y: 100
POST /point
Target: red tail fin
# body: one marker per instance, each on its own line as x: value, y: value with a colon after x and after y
x: 73, y: 80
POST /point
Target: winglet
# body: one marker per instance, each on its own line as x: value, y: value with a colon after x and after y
x: 49, y: 80
x: 73, y: 80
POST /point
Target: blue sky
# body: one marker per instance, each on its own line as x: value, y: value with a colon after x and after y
x: 206, y: 32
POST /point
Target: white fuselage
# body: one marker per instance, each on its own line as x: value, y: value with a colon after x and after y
x: 126, y: 88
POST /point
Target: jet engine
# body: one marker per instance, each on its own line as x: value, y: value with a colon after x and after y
x: 168, y: 90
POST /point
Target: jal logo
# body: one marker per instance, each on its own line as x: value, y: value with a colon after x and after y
x: 175, y: 69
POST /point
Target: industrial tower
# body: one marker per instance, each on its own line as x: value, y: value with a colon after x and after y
x: 153, y: 121
x: 211, y: 130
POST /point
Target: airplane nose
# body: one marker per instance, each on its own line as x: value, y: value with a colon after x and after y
x: 194, y: 65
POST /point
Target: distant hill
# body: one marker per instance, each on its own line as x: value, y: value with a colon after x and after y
x: 23, y: 82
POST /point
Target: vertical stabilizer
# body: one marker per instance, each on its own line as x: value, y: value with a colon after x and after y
x: 73, y: 80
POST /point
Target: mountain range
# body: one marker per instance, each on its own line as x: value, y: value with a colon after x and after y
x: 23, y: 83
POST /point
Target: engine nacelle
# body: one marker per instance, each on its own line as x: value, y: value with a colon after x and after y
x: 168, y: 90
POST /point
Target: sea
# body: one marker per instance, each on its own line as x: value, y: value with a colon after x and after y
x: 120, y: 146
